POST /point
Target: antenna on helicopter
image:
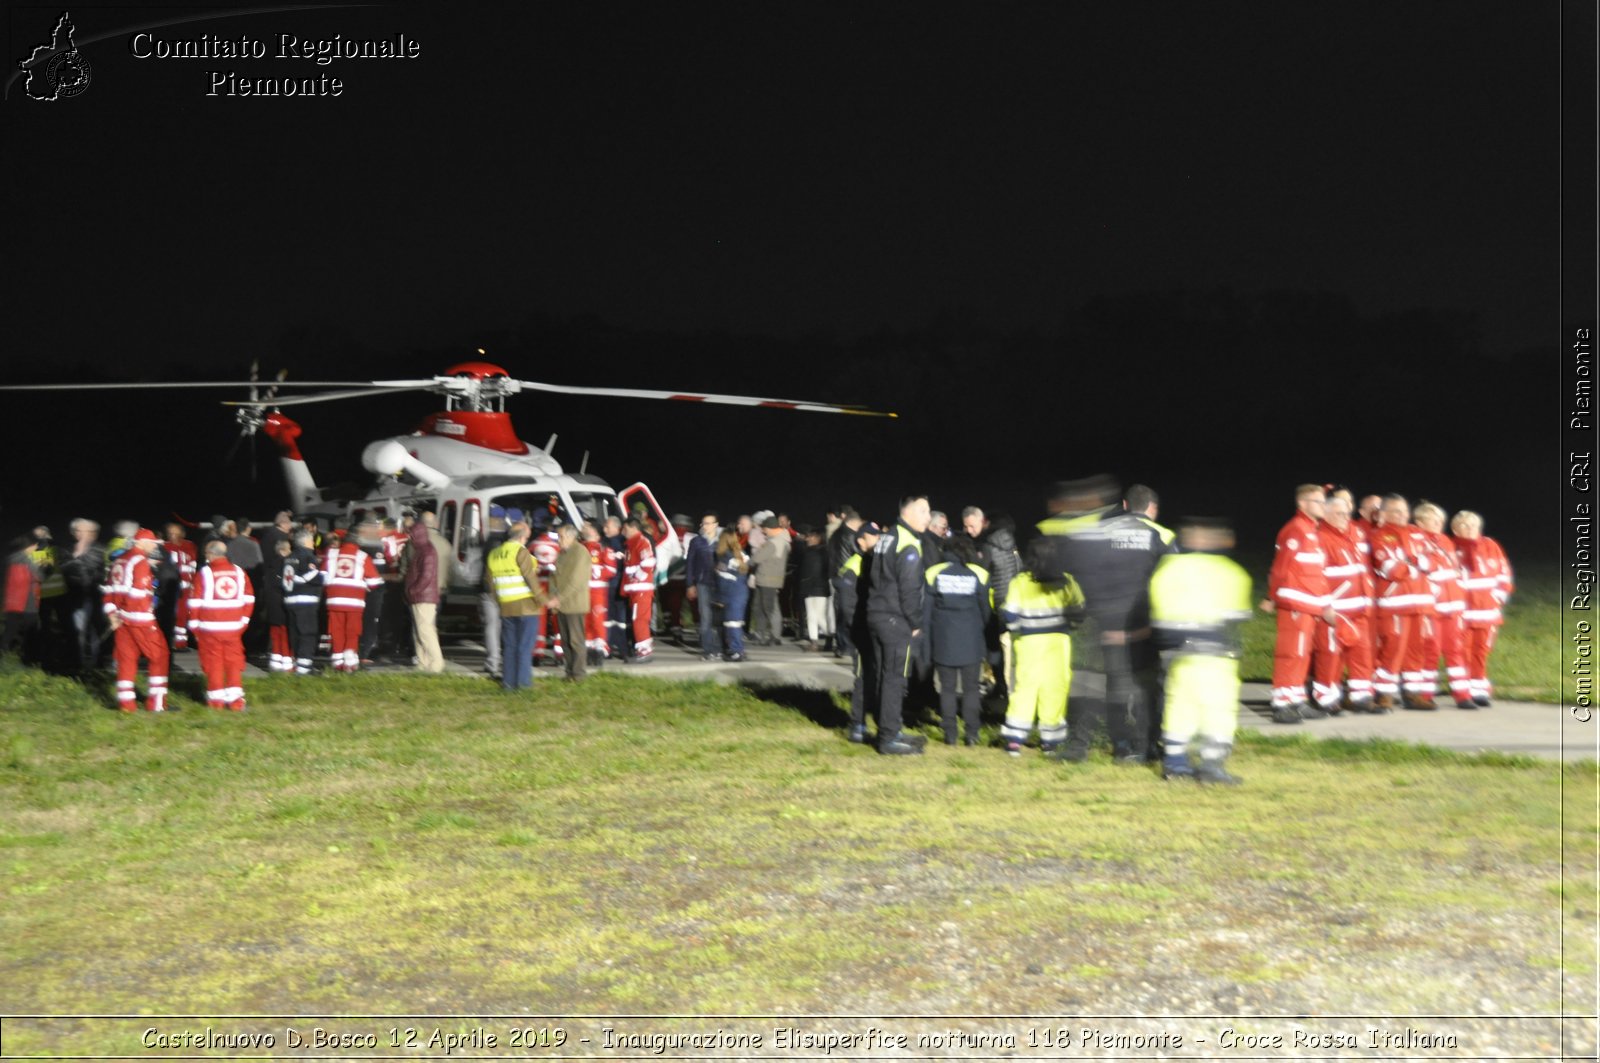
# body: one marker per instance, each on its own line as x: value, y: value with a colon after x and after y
x: 550, y: 445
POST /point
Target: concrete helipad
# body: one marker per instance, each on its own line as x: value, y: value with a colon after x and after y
x: 1508, y: 727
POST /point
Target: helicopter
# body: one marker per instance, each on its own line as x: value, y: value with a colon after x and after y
x: 459, y: 461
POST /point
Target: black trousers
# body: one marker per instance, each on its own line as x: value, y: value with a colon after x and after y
x: 891, y: 638
x: 864, y: 694
x: 971, y: 703
x: 844, y: 638
x: 372, y: 621
x: 303, y: 631
x: 1130, y: 677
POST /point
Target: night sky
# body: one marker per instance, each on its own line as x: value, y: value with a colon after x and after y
x: 1219, y: 248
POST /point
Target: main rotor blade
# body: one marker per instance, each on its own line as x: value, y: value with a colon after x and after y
x: 199, y: 384
x: 329, y: 397
x: 721, y: 400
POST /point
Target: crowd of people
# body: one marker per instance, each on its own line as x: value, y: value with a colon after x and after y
x: 1366, y: 605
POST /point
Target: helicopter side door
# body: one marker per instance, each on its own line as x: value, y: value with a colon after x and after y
x: 638, y: 501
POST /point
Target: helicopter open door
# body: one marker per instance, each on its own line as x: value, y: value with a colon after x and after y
x: 656, y: 524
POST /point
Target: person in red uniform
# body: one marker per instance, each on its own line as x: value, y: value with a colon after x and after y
x: 129, y: 604
x: 1401, y: 558
x: 1449, y: 602
x: 602, y: 569
x: 348, y: 573
x: 545, y: 546
x: 1346, y: 645
x: 1486, y: 578
x: 639, y: 586
x: 221, y: 601
x: 1297, y: 591
x: 187, y: 557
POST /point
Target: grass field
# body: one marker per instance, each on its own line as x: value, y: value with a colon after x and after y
x: 413, y: 843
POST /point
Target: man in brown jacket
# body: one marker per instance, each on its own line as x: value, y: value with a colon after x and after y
x: 572, y: 591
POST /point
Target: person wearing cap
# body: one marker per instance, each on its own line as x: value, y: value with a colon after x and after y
x: 488, y: 605
x: 511, y: 573
x: 221, y: 601
x: 129, y: 599
x: 895, y: 613
x: 770, y: 560
x: 1198, y: 599
x: 852, y: 585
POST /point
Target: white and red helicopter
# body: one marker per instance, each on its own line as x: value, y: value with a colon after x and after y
x: 461, y: 460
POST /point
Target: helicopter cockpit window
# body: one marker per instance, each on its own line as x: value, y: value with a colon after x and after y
x: 447, y: 522
x: 536, y: 507
x: 595, y: 507
x: 471, y: 529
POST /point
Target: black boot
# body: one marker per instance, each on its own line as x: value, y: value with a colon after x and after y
x: 1213, y: 765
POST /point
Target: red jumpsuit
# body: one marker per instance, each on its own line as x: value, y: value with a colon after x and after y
x: 1298, y: 587
x: 1486, y: 578
x: 347, y: 573
x: 220, y: 603
x: 1347, y: 644
x: 1449, y: 602
x: 187, y: 555
x: 1401, y: 558
x: 546, y: 548
x: 639, y: 588
x: 128, y: 594
x: 602, y: 569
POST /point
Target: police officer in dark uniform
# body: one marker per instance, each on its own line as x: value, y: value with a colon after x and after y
x: 895, y: 616
x: 1111, y: 553
x: 299, y: 578
x: 852, y: 586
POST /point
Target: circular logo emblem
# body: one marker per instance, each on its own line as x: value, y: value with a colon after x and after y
x: 227, y: 587
x: 68, y: 74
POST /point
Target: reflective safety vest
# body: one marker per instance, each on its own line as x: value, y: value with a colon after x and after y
x: 1031, y: 608
x: 1195, y: 598
x: 510, y: 585
x: 52, y: 584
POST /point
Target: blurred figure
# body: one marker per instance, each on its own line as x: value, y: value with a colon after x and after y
x: 83, y: 566
x: 1003, y: 562
x: 348, y: 575
x: 639, y: 586
x: 1145, y: 504
x: 128, y: 596
x: 1400, y: 563
x: 300, y: 578
x: 770, y: 560
x: 700, y: 580
x: 1041, y: 608
x: 958, y: 611
x: 1371, y: 511
x: 21, y: 600
x: 602, y: 571
x: 1449, y: 602
x: 422, y: 571
x: 280, y: 646
x: 488, y: 605
x: 186, y: 556
x: 733, y: 593
x: 1111, y: 554
x: 617, y: 607
x: 812, y: 579
x: 1345, y: 645
x: 1198, y: 598
x: 675, y: 589
x: 1297, y: 591
x: 841, y: 547
x: 1487, y: 580
x: 571, y: 585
